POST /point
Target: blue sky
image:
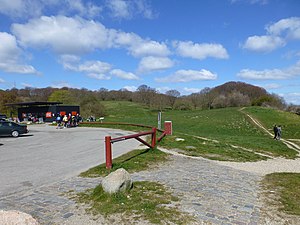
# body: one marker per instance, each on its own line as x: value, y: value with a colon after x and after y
x: 185, y: 45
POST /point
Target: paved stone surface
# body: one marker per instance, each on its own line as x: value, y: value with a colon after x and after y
x: 49, y: 204
x: 213, y: 193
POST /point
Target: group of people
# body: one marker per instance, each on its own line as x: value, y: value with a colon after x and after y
x: 67, y: 120
x: 277, y: 132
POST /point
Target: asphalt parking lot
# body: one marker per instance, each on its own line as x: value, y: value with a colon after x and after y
x: 46, y: 155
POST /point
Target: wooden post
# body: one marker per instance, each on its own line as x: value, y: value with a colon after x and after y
x: 108, y: 152
x: 153, y: 137
x: 168, y: 127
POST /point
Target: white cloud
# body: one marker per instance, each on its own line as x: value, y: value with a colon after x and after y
x: 130, y: 88
x: 271, y: 74
x: 122, y: 9
x: 34, y: 8
x: 291, y: 54
x: 21, y: 8
x: 26, y: 85
x: 192, y: 90
x: 200, y: 51
x: 63, y: 34
x: 77, y: 36
x: 263, y: 43
x: 73, y: 63
x: 98, y: 76
x: 289, y: 28
x: 150, y: 64
x: 84, y: 9
x: 2, y: 81
x: 148, y: 48
x: 10, y: 56
x: 272, y: 86
x: 293, y: 97
x: 93, y: 69
x: 119, y: 8
x: 69, y: 59
x: 61, y: 84
x: 137, y: 46
x: 188, y: 76
x: 144, y: 8
x: 163, y: 89
x: 124, y: 75
x: 277, y: 35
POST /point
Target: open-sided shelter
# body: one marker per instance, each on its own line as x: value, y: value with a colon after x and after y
x: 45, y: 111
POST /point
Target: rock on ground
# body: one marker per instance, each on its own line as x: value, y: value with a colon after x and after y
x: 13, y: 217
x: 117, y: 181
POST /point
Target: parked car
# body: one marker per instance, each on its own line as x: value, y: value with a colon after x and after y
x: 12, y: 128
x: 3, y: 117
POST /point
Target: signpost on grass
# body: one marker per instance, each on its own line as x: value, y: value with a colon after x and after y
x: 159, y: 120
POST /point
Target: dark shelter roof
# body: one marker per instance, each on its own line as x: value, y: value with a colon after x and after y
x: 33, y: 104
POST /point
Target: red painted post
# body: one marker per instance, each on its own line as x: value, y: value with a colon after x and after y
x: 168, y: 127
x: 153, y: 137
x: 108, y: 152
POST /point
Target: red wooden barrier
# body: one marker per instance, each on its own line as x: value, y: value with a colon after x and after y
x: 109, y: 141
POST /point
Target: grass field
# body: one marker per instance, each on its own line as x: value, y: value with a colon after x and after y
x: 228, y: 126
x: 289, y: 122
x: 286, y: 186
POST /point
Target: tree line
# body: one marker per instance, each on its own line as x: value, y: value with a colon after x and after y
x: 231, y: 94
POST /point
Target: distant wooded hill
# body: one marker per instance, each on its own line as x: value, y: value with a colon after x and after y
x: 231, y: 94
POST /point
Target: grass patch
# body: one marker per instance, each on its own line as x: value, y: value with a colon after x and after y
x: 134, y: 161
x: 229, y: 126
x: 146, y: 200
x: 210, y: 149
x: 286, y: 186
x: 131, y: 112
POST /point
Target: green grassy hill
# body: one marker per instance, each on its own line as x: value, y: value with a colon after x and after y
x: 221, y: 134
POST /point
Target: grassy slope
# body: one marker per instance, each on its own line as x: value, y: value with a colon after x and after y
x: 290, y: 122
x: 228, y: 126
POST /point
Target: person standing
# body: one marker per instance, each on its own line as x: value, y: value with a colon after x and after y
x: 275, y: 129
x: 65, y: 120
x: 278, y: 132
x: 58, y: 121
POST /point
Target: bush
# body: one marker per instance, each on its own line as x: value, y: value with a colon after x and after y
x: 183, y: 104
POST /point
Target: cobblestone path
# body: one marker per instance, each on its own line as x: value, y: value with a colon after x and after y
x: 213, y: 193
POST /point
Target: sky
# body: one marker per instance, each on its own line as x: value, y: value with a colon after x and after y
x: 185, y: 45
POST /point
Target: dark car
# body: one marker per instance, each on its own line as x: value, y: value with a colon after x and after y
x: 12, y: 128
x: 3, y: 117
